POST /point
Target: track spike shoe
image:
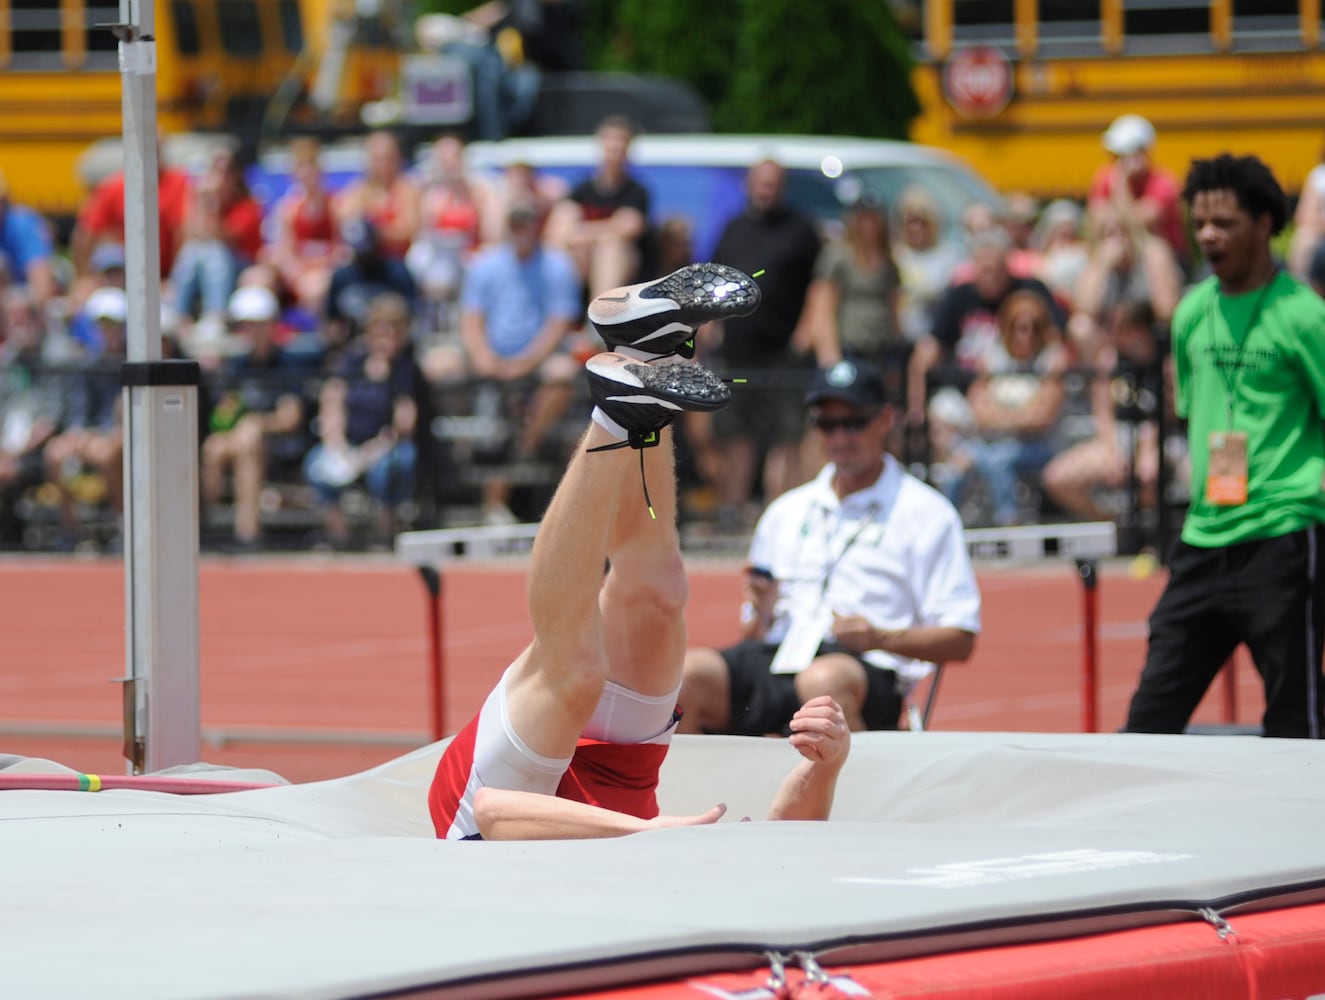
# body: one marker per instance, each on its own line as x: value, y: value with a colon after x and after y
x: 656, y: 319
x: 645, y: 398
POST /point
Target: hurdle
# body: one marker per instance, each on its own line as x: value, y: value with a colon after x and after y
x: 1085, y: 544
x: 428, y: 551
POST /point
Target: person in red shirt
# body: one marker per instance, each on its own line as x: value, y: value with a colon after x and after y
x: 101, y: 218
x: 223, y: 236
x: 1137, y: 190
x: 306, y: 246
x: 385, y: 196
x: 448, y: 234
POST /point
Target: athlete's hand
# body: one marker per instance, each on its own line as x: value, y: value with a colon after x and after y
x: 703, y: 819
x: 819, y: 731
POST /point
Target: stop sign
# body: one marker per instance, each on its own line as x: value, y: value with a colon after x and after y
x: 978, y: 82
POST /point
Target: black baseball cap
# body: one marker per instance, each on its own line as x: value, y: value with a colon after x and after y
x: 856, y: 383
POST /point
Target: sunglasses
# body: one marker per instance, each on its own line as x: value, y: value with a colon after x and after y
x: 852, y: 425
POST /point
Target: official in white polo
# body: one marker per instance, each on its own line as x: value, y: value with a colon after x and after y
x: 857, y: 583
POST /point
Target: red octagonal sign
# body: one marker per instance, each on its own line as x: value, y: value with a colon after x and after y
x: 978, y: 82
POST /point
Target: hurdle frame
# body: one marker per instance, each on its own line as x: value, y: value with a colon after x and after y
x: 1084, y: 543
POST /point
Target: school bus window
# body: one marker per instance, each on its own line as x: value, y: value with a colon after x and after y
x: 292, y: 26
x: 1266, y: 8
x: 241, y: 28
x: 186, y: 27
x: 1266, y: 25
x: 102, y: 45
x: 1144, y: 17
x: 985, y: 13
x: 35, y: 38
x: 1069, y: 27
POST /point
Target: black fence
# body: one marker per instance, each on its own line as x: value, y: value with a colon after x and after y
x: 470, y: 430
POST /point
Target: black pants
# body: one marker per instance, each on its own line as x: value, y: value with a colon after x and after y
x: 1267, y: 594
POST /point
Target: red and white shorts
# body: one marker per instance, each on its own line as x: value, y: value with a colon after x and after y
x: 615, y: 764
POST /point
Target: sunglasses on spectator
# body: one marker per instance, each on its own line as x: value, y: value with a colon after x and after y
x: 852, y: 425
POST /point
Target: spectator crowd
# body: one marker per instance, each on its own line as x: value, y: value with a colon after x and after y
x: 370, y: 347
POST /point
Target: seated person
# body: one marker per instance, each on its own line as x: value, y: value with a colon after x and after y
x: 448, y: 233
x: 604, y: 223
x: 26, y: 248
x: 258, y: 415
x: 518, y: 181
x: 519, y: 302
x: 106, y: 271
x: 926, y: 260
x: 368, y: 274
x: 856, y: 582
x: 305, y: 246
x: 1125, y: 265
x: 1015, y: 402
x: 368, y: 415
x: 91, y: 438
x: 385, y: 195
x: 1125, y: 446
x: 31, y: 406
x: 101, y: 216
x: 570, y: 742
x: 966, y: 322
x: 223, y: 235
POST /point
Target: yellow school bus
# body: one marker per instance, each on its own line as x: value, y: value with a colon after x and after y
x: 233, y: 66
x: 1023, y: 89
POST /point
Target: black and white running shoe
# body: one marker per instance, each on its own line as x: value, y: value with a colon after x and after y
x: 644, y: 398
x: 658, y: 318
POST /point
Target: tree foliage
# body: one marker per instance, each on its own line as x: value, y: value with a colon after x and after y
x: 833, y: 66
x: 840, y: 67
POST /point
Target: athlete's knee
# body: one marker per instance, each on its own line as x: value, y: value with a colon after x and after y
x: 662, y: 588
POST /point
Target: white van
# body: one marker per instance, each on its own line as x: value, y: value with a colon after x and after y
x: 701, y: 177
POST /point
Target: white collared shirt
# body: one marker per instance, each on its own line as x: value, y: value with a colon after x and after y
x: 893, y: 552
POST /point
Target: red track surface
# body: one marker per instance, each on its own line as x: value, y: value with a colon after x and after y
x: 316, y: 668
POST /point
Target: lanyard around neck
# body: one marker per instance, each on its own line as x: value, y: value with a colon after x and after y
x: 1232, y: 379
x: 870, y: 513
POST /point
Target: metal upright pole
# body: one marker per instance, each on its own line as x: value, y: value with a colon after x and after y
x: 160, y: 408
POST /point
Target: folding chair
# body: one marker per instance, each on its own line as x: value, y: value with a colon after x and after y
x: 920, y: 700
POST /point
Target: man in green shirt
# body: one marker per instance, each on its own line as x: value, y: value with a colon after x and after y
x: 1249, y: 360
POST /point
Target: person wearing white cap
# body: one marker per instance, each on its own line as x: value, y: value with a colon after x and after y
x: 258, y: 415
x: 1142, y: 194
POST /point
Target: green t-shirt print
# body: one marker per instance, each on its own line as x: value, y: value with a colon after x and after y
x: 1268, y: 346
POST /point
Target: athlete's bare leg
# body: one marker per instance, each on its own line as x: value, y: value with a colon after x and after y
x: 555, y: 683
x: 643, y: 600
